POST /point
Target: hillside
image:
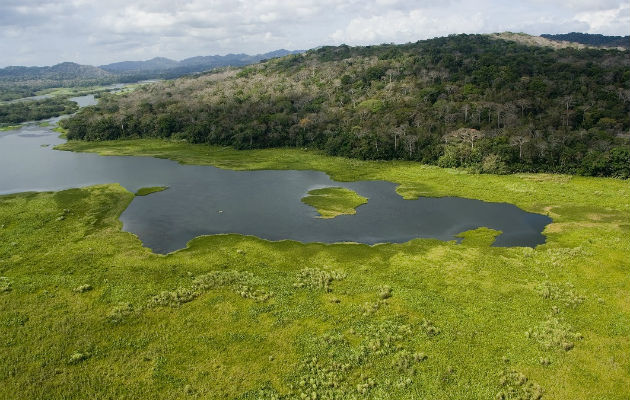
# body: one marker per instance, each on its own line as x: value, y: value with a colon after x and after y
x: 475, y: 101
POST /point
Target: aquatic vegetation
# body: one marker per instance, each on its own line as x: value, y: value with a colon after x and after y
x: 331, y: 202
x: 232, y: 316
x: 148, y: 190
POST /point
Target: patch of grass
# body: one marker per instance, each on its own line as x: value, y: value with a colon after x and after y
x: 450, y: 319
x: 333, y: 201
x: 9, y: 128
x: 480, y: 237
x: 148, y: 190
x: 63, y: 132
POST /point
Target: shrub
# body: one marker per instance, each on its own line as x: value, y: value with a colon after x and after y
x: 120, y: 312
x: 429, y: 328
x: 385, y: 292
x: 516, y: 385
x: 5, y: 284
x: 77, y: 357
x: 492, y: 164
x: 82, y: 288
x: 314, y: 278
x: 565, y: 294
x: 554, y: 334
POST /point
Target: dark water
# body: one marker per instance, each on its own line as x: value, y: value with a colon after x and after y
x: 205, y: 200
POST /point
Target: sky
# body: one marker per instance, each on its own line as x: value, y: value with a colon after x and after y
x: 96, y: 32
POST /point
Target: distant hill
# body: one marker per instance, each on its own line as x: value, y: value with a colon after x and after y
x: 18, y: 82
x: 156, y: 66
x: 157, y: 63
x: 172, y: 68
x: 591, y: 39
x: 63, y: 71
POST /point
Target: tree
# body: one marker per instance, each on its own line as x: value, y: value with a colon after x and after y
x: 519, y: 140
x: 468, y: 135
x: 410, y: 143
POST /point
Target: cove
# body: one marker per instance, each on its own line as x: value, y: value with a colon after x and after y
x: 204, y: 200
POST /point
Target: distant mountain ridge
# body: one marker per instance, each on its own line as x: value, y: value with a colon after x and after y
x: 62, y: 71
x: 591, y: 39
x: 193, y: 64
x: 158, y: 67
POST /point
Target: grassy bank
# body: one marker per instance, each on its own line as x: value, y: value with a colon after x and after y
x: 9, y: 128
x: 148, y: 190
x: 87, y: 312
x: 333, y: 201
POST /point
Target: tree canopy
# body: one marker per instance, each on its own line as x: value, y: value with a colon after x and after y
x: 458, y: 101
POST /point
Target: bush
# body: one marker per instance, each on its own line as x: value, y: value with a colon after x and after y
x: 492, y: 164
x: 5, y: 284
x: 120, y: 312
x: 77, y: 357
x: 314, y: 278
x: 83, y: 288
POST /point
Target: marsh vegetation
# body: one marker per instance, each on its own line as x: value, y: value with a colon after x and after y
x: 333, y: 201
x: 239, y: 317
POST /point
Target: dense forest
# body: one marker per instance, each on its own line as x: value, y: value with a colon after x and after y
x: 22, y: 111
x: 471, y: 101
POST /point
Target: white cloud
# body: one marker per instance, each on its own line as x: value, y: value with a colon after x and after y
x: 38, y: 32
x: 606, y: 21
x: 398, y: 26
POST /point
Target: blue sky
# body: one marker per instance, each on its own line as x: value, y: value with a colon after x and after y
x: 45, y: 32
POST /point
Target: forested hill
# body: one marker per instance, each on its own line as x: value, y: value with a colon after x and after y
x: 459, y: 101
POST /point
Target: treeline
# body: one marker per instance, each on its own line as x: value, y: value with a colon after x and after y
x: 22, y: 111
x: 460, y: 101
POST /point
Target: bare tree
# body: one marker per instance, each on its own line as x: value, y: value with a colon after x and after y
x: 567, y: 101
x: 522, y: 104
x: 466, y: 108
x: 398, y: 132
x: 410, y: 143
x: 519, y: 140
x: 467, y: 135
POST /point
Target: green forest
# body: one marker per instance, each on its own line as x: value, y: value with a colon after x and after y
x: 22, y: 111
x: 472, y: 101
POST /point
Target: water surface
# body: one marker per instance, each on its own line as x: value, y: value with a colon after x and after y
x: 205, y: 200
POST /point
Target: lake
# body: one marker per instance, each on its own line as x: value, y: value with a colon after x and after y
x: 204, y: 200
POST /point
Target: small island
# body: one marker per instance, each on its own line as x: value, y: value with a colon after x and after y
x: 333, y: 201
x: 148, y: 190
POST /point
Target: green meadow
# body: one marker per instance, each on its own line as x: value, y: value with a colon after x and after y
x: 87, y: 312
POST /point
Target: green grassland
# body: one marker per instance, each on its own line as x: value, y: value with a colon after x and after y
x: 333, y: 201
x: 87, y: 312
x: 148, y: 190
